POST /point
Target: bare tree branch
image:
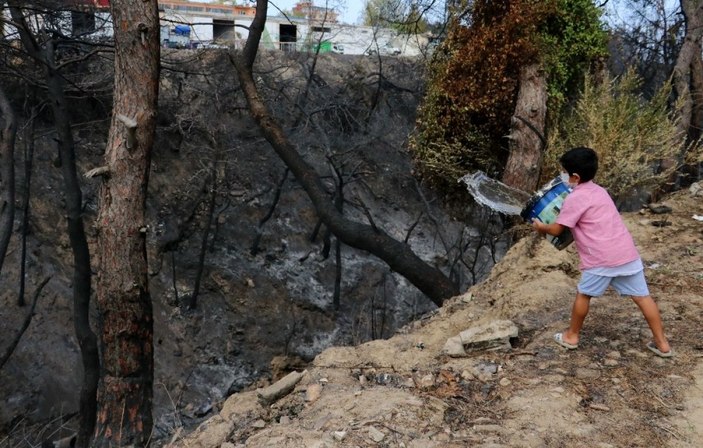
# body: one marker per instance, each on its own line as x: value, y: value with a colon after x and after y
x: 11, y: 348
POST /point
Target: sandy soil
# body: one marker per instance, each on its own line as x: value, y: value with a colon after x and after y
x: 610, y: 392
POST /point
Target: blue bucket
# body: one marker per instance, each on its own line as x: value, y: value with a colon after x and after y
x: 545, y: 205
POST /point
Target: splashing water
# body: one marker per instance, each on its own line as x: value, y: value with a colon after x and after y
x: 494, y: 194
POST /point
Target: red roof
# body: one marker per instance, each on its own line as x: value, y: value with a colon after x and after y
x: 98, y: 3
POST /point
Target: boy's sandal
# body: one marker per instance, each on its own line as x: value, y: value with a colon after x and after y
x: 653, y: 347
x: 559, y: 339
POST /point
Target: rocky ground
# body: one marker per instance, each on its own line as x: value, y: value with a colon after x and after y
x: 407, y: 392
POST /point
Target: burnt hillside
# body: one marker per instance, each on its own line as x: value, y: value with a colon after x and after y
x: 269, y: 273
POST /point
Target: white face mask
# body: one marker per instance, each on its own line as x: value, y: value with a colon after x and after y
x: 564, y: 178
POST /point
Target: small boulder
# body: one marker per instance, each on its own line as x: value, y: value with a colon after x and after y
x: 490, y: 336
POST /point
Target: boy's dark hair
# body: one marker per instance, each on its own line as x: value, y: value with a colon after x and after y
x: 580, y: 160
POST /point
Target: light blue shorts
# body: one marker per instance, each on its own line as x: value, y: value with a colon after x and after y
x: 626, y: 285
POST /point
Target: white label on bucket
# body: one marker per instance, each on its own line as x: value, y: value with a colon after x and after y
x: 549, y: 214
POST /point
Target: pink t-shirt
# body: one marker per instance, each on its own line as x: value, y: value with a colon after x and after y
x: 601, y: 238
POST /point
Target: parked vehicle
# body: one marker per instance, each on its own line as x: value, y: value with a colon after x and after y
x: 384, y: 50
x: 338, y: 48
x: 176, y: 37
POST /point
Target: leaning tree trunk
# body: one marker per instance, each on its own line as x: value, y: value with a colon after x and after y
x: 685, y: 63
x: 396, y: 254
x: 7, y: 173
x: 125, y: 394
x: 527, y: 131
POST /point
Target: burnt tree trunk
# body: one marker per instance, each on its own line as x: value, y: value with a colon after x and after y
x: 28, y: 160
x: 81, y: 258
x: 683, y: 76
x: 8, y: 132
x: 694, y: 130
x: 398, y: 255
x: 212, y: 201
x: 44, y: 54
x: 527, y: 131
x: 125, y: 394
x: 27, y: 320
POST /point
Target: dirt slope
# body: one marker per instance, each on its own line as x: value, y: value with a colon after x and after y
x: 611, y: 392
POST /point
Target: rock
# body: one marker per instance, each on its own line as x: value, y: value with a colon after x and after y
x: 599, y: 407
x: 313, y: 392
x: 505, y: 382
x: 454, y: 348
x: 284, y: 420
x: 259, y: 424
x: 279, y: 389
x: 584, y: 373
x: 492, y: 335
x: 611, y: 362
x: 659, y: 209
x: 486, y: 367
x: 426, y: 381
x: 661, y: 223
x: 376, y: 435
x: 696, y: 189
x: 214, y: 432
x: 339, y: 435
x: 239, y: 405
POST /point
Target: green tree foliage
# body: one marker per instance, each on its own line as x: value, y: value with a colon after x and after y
x: 404, y: 17
x: 414, y: 22
x: 382, y: 12
x: 473, y: 84
x: 631, y: 136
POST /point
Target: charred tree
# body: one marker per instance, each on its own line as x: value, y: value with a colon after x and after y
x: 694, y: 131
x: 526, y: 136
x: 259, y: 229
x: 28, y: 160
x: 212, y: 201
x: 44, y: 54
x: 27, y: 320
x: 8, y: 131
x: 125, y: 393
x: 431, y: 281
x: 687, y: 61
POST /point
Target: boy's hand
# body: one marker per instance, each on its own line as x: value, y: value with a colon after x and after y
x: 538, y: 225
x: 553, y: 229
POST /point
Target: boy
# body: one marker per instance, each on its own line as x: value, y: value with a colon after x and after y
x: 607, y: 252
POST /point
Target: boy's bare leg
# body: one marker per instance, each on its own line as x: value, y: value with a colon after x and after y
x: 651, y: 314
x: 579, y: 310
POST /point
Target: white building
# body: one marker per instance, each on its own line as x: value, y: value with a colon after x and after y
x: 195, y: 25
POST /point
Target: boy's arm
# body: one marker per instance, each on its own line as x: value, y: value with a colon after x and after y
x: 553, y: 229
